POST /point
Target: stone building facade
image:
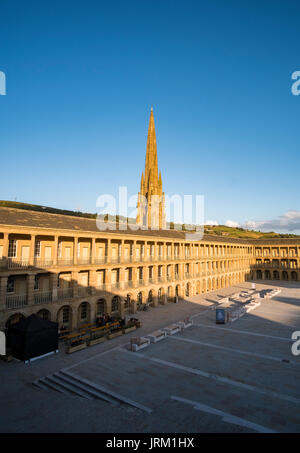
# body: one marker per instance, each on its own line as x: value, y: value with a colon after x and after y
x: 64, y: 269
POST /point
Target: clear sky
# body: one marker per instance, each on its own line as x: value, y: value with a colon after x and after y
x: 82, y: 76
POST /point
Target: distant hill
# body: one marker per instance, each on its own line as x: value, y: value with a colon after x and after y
x: 220, y: 230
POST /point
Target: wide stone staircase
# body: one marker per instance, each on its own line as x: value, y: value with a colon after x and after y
x: 70, y: 384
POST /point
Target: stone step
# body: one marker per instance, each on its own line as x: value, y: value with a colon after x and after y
x: 50, y: 384
x: 104, y: 393
x: 83, y: 387
x: 70, y: 386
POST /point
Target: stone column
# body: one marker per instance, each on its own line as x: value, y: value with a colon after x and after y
x: 3, y: 288
x: 55, y: 250
x: 32, y: 250
x: 53, y: 285
x: 92, y: 281
x: 75, y: 277
x: 93, y: 251
x: 30, y: 289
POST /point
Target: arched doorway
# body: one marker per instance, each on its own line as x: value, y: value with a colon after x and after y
x: 150, y: 297
x: 44, y: 314
x: 285, y: 275
x: 84, y: 313
x: 14, y: 319
x: 101, y: 307
x: 115, y: 304
x: 127, y: 303
x: 160, y: 295
x: 64, y: 317
x: 259, y: 274
x: 267, y: 275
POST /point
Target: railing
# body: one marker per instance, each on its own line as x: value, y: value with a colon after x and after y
x: 275, y: 266
x: 39, y: 262
x: 63, y: 294
x: 101, y: 260
x: 13, y: 263
x: 84, y: 261
x: 16, y: 301
x: 65, y: 262
x: 84, y: 291
x: 43, y: 297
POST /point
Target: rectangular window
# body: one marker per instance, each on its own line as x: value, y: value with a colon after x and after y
x: 10, y: 285
x: 36, y: 282
x: 37, y: 249
x: 12, y: 248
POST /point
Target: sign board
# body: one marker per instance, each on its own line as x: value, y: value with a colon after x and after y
x: 220, y: 316
x: 253, y: 286
x: 2, y: 343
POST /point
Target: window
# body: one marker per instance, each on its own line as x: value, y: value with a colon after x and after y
x: 36, y: 282
x: 10, y: 285
x: 12, y: 248
x: 66, y: 315
x: 101, y: 307
x: 115, y: 304
x: 37, y: 249
x: 83, y: 311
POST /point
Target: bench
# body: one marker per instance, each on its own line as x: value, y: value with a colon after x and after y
x: 172, y: 329
x: 156, y: 336
x: 137, y: 343
x: 185, y: 323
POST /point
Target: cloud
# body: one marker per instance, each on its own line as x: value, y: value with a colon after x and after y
x: 232, y: 224
x: 288, y: 222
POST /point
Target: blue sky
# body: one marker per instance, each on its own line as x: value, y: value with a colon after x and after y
x: 82, y: 76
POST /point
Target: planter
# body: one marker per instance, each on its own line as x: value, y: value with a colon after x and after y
x: 96, y: 341
x: 71, y: 349
x: 115, y: 334
x: 129, y: 329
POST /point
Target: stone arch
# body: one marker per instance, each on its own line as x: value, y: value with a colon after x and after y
x: 208, y: 284
x: 170, y: 293
x: 213, y: 284
x: 285, y: 275
x: 294, y: 276
x: 13, y: 319
x: 178, y: 291
x: 84, y: 313
x: 127, y: 302
x: 44, y: 314
x: 101, y: 307
x: 267, y: 275
x: 198, y: 287
x: 115, y: 304
x: 160, y: 295
x: 64, y: 317
x: 259, y: 274
x: 276, y: 275
x: 203, y: 286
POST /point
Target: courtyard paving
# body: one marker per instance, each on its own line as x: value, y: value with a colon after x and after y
x: 237, y: 377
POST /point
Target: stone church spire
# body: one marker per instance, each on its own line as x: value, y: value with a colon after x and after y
x: 151, y: 199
